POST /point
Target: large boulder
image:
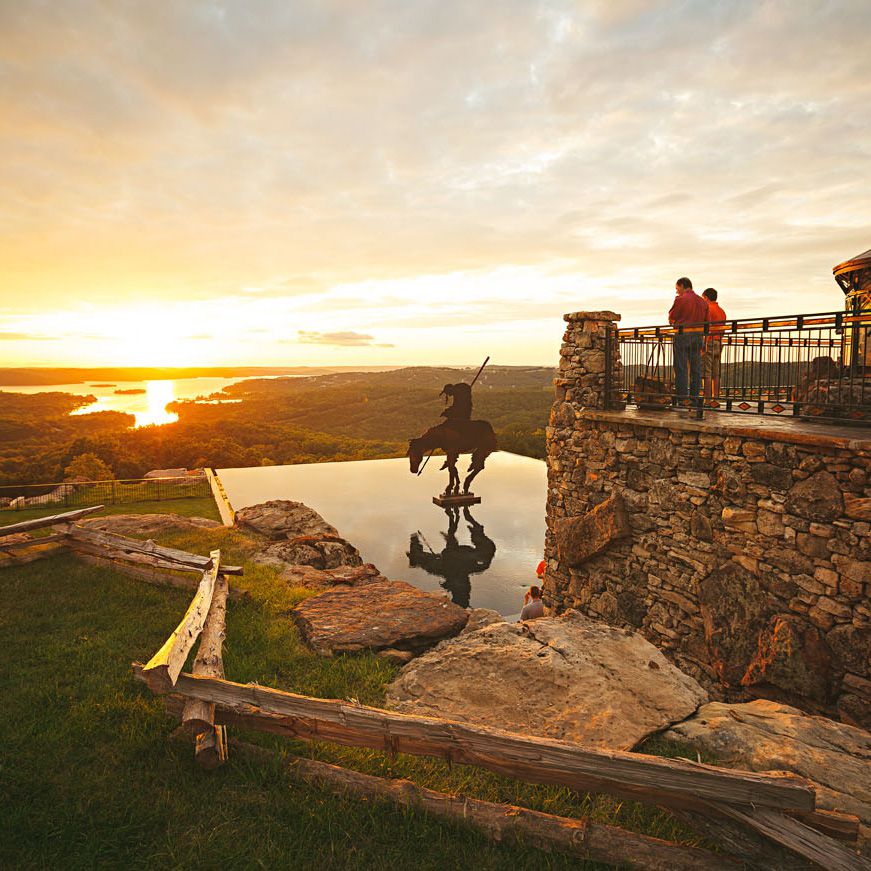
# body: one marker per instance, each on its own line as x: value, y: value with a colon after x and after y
x: 138, y: 525
x: 321, y: 579
x: 282, y: 518
x: 852, y: 647
x: 566, y: 677
x: 735, y: 611
x: 321, y: 551
x: 854, y: 703
x: 579, y: 538
x: 792, y: 656
x: 768, y: 736
x: 377, y: 615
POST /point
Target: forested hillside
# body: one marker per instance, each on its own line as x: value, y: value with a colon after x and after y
x: 347, y: 416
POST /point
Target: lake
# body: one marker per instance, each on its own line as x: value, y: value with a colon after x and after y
x: 484, y: 557
x: 147, y: 400
x: 148, y: 406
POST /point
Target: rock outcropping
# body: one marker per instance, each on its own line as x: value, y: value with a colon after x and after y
x: 376, y: 615
x: 324, y: 579
x: 301, y: 536
x: 322, y: 551
x: 580, y: 538
x: 283, y: 518
x: 138, y: 525
x: 564, y: 677
x: 767, y: 736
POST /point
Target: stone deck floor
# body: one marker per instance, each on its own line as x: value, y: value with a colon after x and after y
x: 781, y: 429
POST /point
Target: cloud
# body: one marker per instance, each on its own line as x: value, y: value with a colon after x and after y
x: 24, y: 337
x: 340, y: 339
x: 209, y: 150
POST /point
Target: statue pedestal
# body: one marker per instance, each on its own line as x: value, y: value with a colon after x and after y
x: 456, y: 501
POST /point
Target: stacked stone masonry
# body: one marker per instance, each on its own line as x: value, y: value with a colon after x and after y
x: 749, y: 560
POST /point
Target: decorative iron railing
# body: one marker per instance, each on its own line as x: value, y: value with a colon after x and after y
x: 70, y: 494
x: 812, y: 366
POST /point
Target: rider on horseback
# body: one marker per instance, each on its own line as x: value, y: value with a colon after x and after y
x: 461, y: 407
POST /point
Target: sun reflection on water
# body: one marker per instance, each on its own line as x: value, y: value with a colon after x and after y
x: 158, y: 394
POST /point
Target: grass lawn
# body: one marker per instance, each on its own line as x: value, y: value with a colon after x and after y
x: 88, y: 777
x: 189, y: 506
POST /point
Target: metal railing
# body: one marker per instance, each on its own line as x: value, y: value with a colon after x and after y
x: 812, y: 366
x: 70, y: 494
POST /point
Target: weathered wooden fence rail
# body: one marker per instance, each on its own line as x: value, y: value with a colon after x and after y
x: 749, y: 808
x: 576, y: 836
x: 143, y: 560
x: 779, y: 808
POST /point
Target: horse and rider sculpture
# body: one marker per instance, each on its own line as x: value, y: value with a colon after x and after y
x: 458, y: 434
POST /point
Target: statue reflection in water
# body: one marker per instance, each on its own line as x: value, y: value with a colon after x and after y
x: 457, y: 562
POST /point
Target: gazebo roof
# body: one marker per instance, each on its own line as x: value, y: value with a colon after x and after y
x: 860, y: 261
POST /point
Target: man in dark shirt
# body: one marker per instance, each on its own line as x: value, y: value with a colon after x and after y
x: 688, y: 315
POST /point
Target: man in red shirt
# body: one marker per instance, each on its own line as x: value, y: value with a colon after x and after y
x: 688, y: 315
x: 713, y: 344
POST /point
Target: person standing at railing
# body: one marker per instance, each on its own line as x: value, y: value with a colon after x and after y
x: 689, y: 311
x: 713, y: 344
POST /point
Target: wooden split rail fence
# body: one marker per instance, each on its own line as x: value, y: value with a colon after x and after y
x: 754, y: 810
x: 143, y: 560
x: 769, y: 820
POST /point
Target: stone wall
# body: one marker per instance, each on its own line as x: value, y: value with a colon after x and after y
x: 738, y: 547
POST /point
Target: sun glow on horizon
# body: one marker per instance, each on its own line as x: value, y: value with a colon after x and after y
x: 514, y: 312
x: 147, y: 405
x: 158, y: 395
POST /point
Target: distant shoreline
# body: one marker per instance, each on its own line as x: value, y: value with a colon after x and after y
x: 49, y: 376
x: 38, y: 377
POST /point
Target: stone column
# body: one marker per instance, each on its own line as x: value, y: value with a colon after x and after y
x: 581, y: 379
x: 579, y: 384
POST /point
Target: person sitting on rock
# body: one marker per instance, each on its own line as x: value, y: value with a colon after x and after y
x: 461, y: 407
x: 532, y: 605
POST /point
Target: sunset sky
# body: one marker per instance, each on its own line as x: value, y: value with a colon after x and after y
x: 416, y: 182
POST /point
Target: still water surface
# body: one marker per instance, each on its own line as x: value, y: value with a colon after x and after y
x: 485, y: 559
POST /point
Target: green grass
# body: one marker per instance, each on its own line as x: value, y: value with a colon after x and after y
x: 189, y: 506
x: 88, y: 776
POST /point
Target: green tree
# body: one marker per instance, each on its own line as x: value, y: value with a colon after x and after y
x: 90, y: 467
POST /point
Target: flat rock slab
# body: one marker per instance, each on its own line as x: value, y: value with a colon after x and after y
x: 769, y: 736
x: 351, y: 576
x: 321, y: 551
x: 563, y: 677
x: 480, y: 617
x: 146, y: 524
x: 282, y: 518
x: 375, y: 616
x: 174, y: 473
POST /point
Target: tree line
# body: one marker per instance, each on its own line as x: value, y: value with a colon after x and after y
x: 347, y: 416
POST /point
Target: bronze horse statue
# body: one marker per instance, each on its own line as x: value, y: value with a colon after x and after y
x: 454, y: 438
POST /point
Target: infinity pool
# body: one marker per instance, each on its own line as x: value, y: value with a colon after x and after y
x: 484, y: 557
